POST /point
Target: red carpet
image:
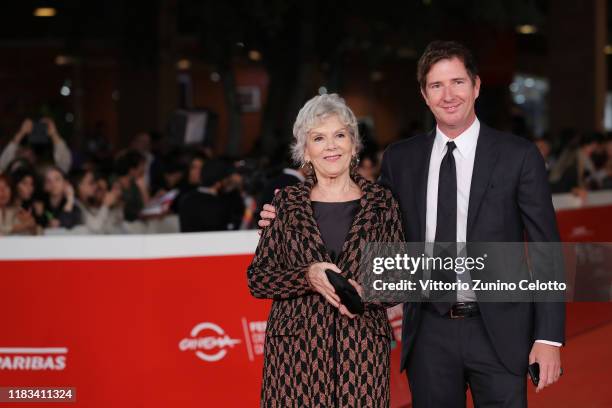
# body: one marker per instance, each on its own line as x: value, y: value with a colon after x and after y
x: 587, y: 361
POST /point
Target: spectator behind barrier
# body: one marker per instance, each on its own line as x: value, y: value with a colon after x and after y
x: 191, y: 179
x: 39, y: 134
x: 203, y: 209
x: 142, y: 144
x: 368, y: 166
x: 60, y: 210
x: 27, y: 193
x: 575, y: 170
x: 13, y: 220
x: 130, y: 171
x: 98, y: 216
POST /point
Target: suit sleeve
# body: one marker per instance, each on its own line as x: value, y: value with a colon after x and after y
x: 538, y: 215
x: 392, y: 233
x: 271, y: 275
x: 386, y: 177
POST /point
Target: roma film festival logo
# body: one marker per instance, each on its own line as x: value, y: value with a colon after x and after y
x: 33, y: 358
x: 209, y: 341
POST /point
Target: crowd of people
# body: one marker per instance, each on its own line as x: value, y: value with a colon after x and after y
x: 47, y: 187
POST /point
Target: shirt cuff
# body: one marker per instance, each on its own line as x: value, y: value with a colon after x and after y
x: 550, y: 343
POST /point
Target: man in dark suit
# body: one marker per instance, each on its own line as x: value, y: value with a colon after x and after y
x: 204, y: 209
x: 466, y: 182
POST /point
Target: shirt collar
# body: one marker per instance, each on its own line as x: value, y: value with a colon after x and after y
x: 465, y: 142
x: 207, y: 190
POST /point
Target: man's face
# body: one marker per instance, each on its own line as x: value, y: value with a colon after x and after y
x: 54, y: 182
x: 87, y: 187
x: 450, y: 94
x: 195, y: 171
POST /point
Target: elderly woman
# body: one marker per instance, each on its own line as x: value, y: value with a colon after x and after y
x: 316, y: 352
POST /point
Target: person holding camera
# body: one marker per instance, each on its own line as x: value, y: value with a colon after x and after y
x: 39, y: 133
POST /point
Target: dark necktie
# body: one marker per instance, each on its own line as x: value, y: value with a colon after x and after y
x: 446, y: 224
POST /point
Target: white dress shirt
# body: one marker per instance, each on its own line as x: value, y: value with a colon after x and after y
x: 464, y: 154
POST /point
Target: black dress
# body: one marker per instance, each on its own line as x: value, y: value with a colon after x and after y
x: 334, y: 220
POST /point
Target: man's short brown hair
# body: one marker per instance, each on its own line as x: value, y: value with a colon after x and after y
x: 440, y: 50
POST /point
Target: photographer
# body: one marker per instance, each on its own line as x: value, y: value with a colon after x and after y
x: 46, y: 126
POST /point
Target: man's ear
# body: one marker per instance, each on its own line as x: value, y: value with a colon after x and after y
x: 477, y: 87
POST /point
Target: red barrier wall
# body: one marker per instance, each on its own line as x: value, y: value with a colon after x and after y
x: 132, y: 330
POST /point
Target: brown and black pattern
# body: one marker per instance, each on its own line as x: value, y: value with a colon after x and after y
x: 304, y: 332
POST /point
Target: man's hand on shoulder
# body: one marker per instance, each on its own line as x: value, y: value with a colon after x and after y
x: 267, y: 214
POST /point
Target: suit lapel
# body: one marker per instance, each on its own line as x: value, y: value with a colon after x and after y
x: 484, y: 163
x: 421, y: 178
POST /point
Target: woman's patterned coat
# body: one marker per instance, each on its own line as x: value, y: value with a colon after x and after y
x: 315, y: 357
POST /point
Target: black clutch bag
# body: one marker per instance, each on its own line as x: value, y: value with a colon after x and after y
x: 534, y: 373
x: 346, y: 292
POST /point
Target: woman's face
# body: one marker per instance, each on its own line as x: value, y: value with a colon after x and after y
x: 54, y: 182
x: 330, y: 147
x: 195, y: 171
x: 5, y: 194
x: 87, y: 187
x: 25, y: 188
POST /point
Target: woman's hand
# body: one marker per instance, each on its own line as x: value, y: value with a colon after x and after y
x: 319, y: 282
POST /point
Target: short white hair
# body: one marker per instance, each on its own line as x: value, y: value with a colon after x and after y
x: 313, y: 113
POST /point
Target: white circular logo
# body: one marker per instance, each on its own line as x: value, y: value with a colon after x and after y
x: 208, y: 348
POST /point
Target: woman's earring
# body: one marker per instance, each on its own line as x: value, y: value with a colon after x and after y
x: 354, y: 161
x: 308, y: 168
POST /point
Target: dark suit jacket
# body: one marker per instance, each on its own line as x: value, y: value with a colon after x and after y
x: 200, y: 212
x: 509, y: 199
